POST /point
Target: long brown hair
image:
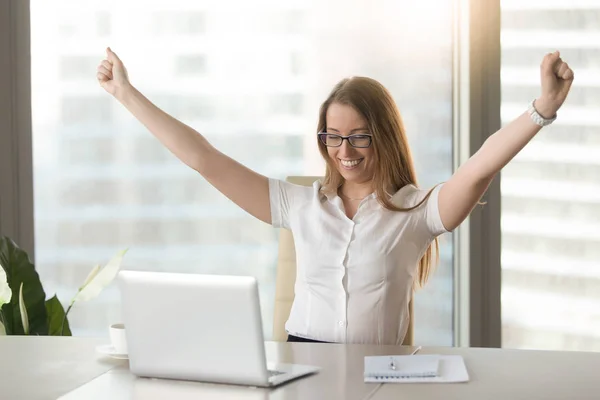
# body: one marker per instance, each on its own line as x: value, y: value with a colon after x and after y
x: 394, y: 168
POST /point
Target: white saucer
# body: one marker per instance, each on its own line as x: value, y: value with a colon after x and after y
x: 109, y: 350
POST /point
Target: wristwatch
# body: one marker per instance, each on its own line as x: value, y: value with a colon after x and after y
x: 537, y: 118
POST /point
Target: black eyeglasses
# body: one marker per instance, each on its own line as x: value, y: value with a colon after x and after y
x: 332, y: 140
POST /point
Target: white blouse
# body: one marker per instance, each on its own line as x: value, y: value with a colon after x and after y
x: 354, y: 276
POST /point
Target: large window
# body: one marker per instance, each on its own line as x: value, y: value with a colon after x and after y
x: 250, y: 76
x: 551, y: 191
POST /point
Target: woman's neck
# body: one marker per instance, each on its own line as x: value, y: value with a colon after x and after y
x: 355, y: 191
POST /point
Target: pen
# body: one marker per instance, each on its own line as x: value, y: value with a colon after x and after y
x: 393, y: 362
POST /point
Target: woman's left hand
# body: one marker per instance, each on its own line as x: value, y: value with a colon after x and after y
x: 557, y: 78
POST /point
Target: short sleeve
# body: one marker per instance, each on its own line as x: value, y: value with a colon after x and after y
x: 432, y: 213
x: 427, y: 216
x: 279, y: 204
x: 284, y: 198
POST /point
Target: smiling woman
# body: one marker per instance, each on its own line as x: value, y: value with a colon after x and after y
x: 339, y: 242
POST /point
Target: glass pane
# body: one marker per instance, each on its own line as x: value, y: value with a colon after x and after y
x: 551, y: 191
x: 250, y: 77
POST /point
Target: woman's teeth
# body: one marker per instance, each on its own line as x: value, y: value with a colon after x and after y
x: 350, y: 163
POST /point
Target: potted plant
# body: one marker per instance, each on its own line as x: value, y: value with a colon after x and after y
x: 24, y: 309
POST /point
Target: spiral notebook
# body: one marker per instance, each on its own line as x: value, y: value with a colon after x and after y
x: 415, y: 368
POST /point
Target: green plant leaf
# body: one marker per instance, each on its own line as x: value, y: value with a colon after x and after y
x: 23, y: 310
x: 19, y: 270
x: 56, y: 313
x: 2, y: 330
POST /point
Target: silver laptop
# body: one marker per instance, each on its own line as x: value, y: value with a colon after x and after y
x: 198, y: 327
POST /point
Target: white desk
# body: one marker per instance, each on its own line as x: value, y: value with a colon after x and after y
x: 47, y: 367
x: 50, y: 367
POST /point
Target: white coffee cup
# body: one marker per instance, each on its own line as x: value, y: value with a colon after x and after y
x: 118, y: 339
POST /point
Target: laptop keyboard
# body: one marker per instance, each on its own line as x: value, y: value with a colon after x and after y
x: 274, y: 373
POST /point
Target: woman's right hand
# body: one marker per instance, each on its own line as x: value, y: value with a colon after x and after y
x: 244, y: 187
x: 112, y: 74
